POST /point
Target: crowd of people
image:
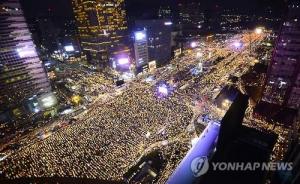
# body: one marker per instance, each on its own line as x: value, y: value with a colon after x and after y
x: 109, y: 139
x: 106, y: 142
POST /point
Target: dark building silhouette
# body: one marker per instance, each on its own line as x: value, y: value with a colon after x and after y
x: 190, y: 18
x: 159, y: 39
x: 283, y: 77
x: 237, y: 143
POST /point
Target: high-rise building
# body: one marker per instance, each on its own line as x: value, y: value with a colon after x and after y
x: 22, y: 75
x: 159, y: 39
x: 141, y: 50
x: 165, y: 12
x: 48, y: 34
x: 191, y: 18
x: 283, y: 77
x: 102, y: 27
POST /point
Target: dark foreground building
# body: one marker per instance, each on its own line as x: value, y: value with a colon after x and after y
x: 230, y: 143
x: 237, y: 143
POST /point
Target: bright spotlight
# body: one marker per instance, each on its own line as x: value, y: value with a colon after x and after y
x: 237, y: 44
x: 226, y: 103
x: 193, y: 44
x: 26, y: 52
x: 123, y: 61
x: 69, y: 48
x: 140, y: 35
x: 48, y: 100
x: 168, y: 23
x: 258, y: 30
x: 163, y: 89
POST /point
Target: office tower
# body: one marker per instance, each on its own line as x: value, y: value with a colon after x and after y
x: 22, y: 75
x: 102, y: 27
x: 141, y: 50
x: 283, y: 78
x: 48, y: 34
x: 159, y: 38
x: 165, y: 12
x: 190, y: 17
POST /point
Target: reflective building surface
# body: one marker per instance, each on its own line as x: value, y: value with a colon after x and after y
x: 21, y: 72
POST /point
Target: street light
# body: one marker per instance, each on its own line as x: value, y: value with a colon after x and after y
x: 259, y: 30
x: 193, y: 44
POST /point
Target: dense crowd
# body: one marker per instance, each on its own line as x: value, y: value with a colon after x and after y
x: 109, y: 139
x: 106, y: 142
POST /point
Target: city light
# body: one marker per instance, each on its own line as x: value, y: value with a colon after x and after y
x: 76, y: 99
x: 26, y: 52
x: 123, y: 61
x: 237, y: 44
x: 150, y: 79
x: 193, y: 44
x: 146, y: 106
x: 168, y: 23
x: 259, y: 30
x: 48, y: 101
x: 67, y: 111
x: 127, y: 76
x: 36, y: 110
x: 140, y: 35
x: 152, y: 66
x: 226, y: 103
x: 69, y: 48
x: 163, y: 89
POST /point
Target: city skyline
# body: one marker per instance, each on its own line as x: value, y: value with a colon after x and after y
x: 160, y: 91
x: 136, y: 8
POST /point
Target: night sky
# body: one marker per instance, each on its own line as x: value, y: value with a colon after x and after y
x: 137, y: 8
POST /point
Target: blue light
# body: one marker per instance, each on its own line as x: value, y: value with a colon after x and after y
x: 168, y: 23
x: 140, y: 35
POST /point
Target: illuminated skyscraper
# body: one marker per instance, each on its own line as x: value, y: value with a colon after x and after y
x: 102, y: 27
x: 283, y: 78
x: 21, y: 72
x: 141, y: 49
